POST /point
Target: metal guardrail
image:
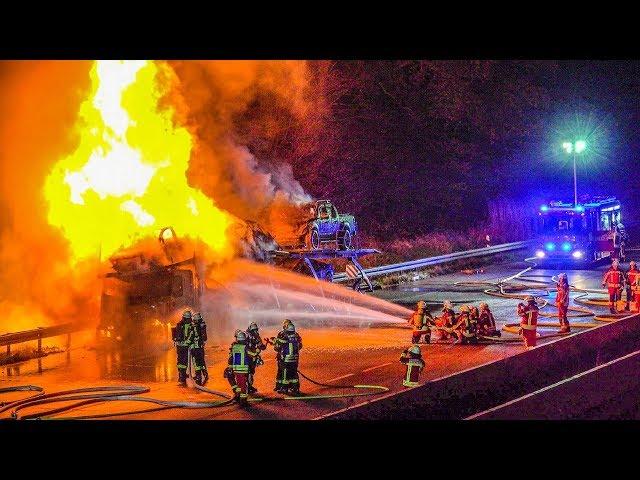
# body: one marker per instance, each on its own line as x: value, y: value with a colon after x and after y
x: 425, y: 262
x: 38, y: 334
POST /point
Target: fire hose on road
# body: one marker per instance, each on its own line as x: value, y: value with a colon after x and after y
x: 506, y: 288
x: 130, y: 393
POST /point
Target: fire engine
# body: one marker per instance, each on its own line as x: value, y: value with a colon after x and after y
x: 580, y: 233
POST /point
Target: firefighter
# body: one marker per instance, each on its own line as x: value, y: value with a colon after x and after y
x: 287, y: 346
x: 181, y: 335
x: 562, y: 302
x: 528, y: 321
x: 237, y: 371
x: 613, y: 280
x: 446, y: 321
x: 412, y: 358
x: 630, y: 281
x: 636, y: 290
x: 486, y: 322
x: 422, y: 321
x: 619, y: 240
x: 254, y: 346
x: 199, y: 337
x: 466, y: 326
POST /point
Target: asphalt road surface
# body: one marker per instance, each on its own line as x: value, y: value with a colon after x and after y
x: 331, y: 354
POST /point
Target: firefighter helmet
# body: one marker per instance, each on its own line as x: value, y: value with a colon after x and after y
x: 421, y: 304
x: 186, y: 315
x: 447, y: 304
x: 615, y: 262
x: 464, y: 308
x: 240, y: 335
x: 415, y: 349
x: 483, y: 305
x: 253, y: 326
x: 530, y: 299
x: 285, y: 323
x: 290, y: 327
x: 197, y: 316
x: 632, y: 264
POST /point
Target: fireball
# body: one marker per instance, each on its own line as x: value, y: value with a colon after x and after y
x: 127, y: 178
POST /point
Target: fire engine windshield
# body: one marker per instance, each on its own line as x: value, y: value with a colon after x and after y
x: 563, y: 224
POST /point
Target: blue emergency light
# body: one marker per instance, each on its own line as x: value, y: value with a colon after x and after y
x: 566, y: 246
x: 550, y: 246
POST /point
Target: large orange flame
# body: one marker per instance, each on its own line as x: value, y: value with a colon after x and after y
x: 127, y: 177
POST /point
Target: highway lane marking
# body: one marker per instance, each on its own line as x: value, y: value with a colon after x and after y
x: 340, y: 378
x: 379, y: 366
x: 554, y: 385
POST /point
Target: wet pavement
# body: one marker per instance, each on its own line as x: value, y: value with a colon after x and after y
x: 331, y: 354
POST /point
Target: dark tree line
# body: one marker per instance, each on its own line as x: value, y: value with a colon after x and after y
x: 411, y: 147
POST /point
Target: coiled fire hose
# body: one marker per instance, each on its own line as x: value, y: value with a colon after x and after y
x: 505, y: 288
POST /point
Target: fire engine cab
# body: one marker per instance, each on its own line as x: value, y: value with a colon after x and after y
x: 580, y: 233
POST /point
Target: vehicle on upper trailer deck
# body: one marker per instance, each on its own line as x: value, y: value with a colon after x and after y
x: 322, y: 225
x: 580, y: 233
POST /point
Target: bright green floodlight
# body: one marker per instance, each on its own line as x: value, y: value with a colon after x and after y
x: 581, y: 145
x: 568, y: 147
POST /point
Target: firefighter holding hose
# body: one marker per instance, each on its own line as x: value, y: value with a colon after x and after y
x: 486, y: 322
x: 613, y: 280
x: 528, y: 321
x: 422, y: 322
x: 447, y: 320
x: 287, y: 346
x: 412, y: 358
x: 562, y: 302
x: 255, y: 346
x: 466, y: 326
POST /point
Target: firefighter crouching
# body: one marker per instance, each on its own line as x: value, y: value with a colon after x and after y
x: 466, y: 326
x: 199, y: 337
x: 237, y: 372
x: 287, y: 346
x: 181, y: 335
x: 613, y: 280
x: 631, y: 279
x: 562, y: 302
x: 422, y: 321
x: 486, y: 322
x: 255, y: 346
x: 528, y: 321
x: 412, y: 358
x: 447, y: 320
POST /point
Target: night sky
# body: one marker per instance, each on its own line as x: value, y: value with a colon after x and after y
x: 411, y: 147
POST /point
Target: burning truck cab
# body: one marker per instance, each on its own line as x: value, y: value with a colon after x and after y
x: 142, y: 296
x: 580, y: 233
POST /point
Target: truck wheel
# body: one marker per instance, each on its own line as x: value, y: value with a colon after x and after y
x: 344, y: 239
x: 315, y: 239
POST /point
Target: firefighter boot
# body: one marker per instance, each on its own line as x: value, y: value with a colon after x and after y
x: 198, y: 378
x: 182, y: 377
x: 564, y: 328
x: 205, y: 377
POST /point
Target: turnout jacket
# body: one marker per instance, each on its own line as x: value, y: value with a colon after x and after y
x: 528, y: 316
x: 421, y: 320
x: 613, y: 278
x: 287, y: 346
